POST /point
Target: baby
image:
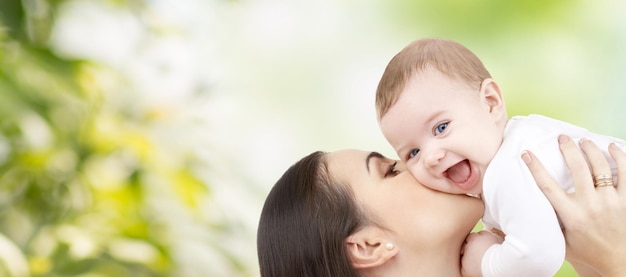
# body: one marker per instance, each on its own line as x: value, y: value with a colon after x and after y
x: 445, y: 116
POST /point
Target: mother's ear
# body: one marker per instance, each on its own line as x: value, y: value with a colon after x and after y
x: 369, y: 248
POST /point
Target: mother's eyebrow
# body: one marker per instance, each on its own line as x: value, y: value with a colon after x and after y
x: 372, y: 155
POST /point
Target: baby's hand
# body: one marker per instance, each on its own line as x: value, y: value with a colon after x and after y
x: 475, y: 247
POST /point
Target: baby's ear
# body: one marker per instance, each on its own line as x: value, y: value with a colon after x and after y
x: 491, y: 95
x: 369, y: 248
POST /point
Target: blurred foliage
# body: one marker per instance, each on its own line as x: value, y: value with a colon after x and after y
x: 479, y: 18
x: 88, y: 188
x: 77, y: 173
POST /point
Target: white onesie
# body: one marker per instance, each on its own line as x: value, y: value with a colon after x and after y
x: 534, y: 243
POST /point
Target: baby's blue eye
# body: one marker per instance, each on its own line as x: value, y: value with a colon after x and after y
x: 414, y: 152
x: 440, y: 128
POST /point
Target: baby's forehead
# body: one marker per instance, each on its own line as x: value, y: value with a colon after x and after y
x: 431, y: 72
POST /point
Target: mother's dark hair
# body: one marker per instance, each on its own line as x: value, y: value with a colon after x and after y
x: 304, y: 223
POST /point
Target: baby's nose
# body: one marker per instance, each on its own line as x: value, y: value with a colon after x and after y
x: 432, y: 158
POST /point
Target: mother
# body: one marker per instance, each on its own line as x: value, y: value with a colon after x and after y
x: 355, y: 213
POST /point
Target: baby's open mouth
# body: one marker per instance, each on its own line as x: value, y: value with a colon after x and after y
x: 462, y: 175
x: 460, y: 172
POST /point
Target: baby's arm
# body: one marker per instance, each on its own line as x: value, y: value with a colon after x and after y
x: 475, y: 246
x: 534, y: 244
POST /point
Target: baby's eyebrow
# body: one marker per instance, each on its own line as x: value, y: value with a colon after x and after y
x: 372, y: 155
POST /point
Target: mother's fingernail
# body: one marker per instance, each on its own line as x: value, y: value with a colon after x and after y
x: 563, y: 139
x: 584, y: 141
x: 614, y: 146
x: 526, y: 157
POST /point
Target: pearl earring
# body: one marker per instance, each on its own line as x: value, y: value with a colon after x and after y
x: 389, y: 246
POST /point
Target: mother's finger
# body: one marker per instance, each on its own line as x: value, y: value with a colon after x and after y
x: 553, y: 191
x: 620, y: 159
x: 599, y: 165
x: 581, y: 174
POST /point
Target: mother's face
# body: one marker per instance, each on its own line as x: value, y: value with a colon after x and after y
x: 423, y: 223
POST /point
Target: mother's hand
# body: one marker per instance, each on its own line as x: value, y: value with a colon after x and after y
x: 594, y: 218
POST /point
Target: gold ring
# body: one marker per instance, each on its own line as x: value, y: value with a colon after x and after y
x: 603, y: 184
x: 602, y: 177
x: 603, y: 180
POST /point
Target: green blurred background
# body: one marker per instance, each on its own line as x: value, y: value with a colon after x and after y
x: 139, y: 138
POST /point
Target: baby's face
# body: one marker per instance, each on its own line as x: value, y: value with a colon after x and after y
x: 445, y: 132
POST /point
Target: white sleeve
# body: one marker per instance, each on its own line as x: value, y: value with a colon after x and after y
x: 534, y: 244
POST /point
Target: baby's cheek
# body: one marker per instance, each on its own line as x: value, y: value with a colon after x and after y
x: 423, y: 177
x: 417, y: 174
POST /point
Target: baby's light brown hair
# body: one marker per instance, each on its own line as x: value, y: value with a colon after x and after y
x: 448, y: 57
